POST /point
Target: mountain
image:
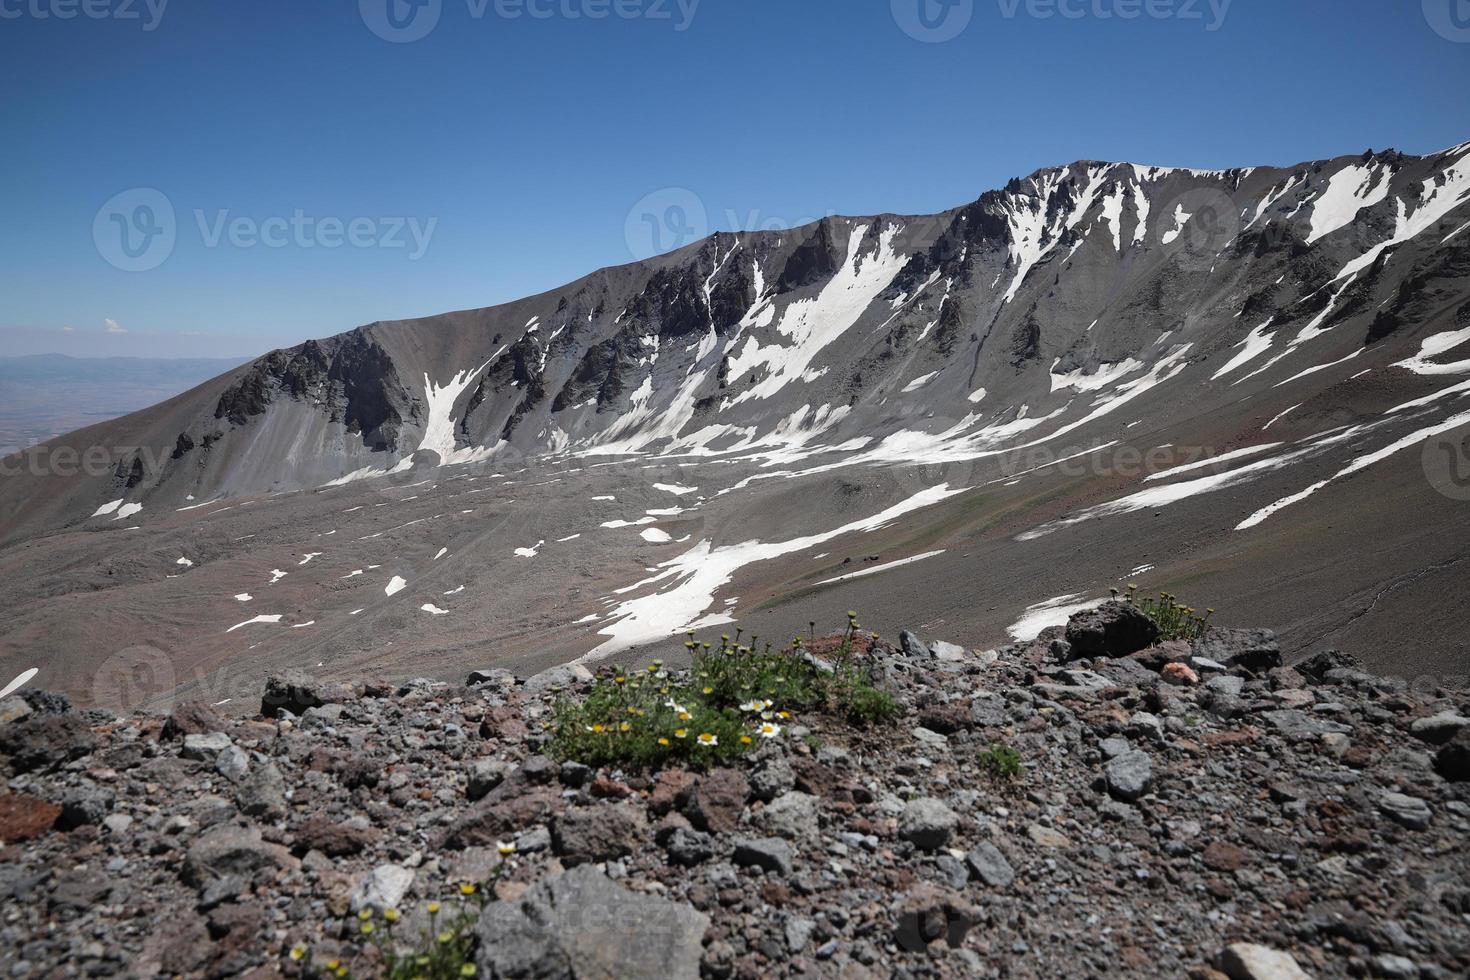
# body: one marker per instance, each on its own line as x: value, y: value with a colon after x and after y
x: 1244, y: 386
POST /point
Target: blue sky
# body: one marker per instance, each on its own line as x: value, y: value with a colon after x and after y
x: 502, y: 153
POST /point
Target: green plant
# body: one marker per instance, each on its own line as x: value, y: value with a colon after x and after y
x: 643, y: 718
x: 443, y: 949
x: 734, y: 695
x: 1175, y: 620
x: 1001, y: 762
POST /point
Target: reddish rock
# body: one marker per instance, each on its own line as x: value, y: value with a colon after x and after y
x: 672, y: 791
x: 321, y: 833
x: 1179, y: 674
x: 1221, y: 856
x: 606, y: 788
x: 193, y: 718
x: 499, y: 816
x: 24, y: 817
x: 718, y: 801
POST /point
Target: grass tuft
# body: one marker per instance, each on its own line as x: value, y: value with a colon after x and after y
x: 1175, y: 620
x: 734, y: 696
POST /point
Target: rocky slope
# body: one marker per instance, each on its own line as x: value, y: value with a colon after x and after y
x: 1244, y: 384
x: 1181, y: 810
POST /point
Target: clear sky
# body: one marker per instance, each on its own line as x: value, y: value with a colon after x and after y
x: 517, y: 144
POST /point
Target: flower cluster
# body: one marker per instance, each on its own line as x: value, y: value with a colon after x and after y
x: 443, y: 948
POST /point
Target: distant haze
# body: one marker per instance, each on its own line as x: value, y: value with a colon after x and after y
x: 47, y: 395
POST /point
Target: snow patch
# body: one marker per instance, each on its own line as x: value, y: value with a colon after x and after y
x: 881, y: 568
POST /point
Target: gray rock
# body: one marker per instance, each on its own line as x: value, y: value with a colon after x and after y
x: 205, y: 747
x: 262, y: 793
x: 232, y: 848
x: 1113, y: 629
x: 931, y: 741
x: 912, y: 646
x: 798, y: 931
x: 1247, y: 961
x: 232, y: 763
x: 1114, y: 747
x: 583, y: 925
x: 1299, y: 725
x: 989, y: 865
x: 1230, y: 684
x: 13, y: 709
x: 602, y: 833
x: 1255, y: 650
x: 42, y: 740
x: 296, y: 691
x: 491, y: 676
x: 1130, y: 775
x: 382, y: 888
x: 791, y: 815
x: 687, y: 847
x: 1395, y: 967
x: 948, y: 652
x: 772, y: 777
x: 117, y: 823
x: 564, y: 676
x: 485, y: 775
x: 767, y: 853
x: 1407, y: 811
x: 1439, y: 729
x: 927, y: 823
x: 533, y: 840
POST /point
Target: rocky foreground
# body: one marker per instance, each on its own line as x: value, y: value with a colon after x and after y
x: 1184, y: 810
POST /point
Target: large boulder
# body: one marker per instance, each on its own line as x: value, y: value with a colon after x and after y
x: 233, y: 849
x: 927, y: 823
x: 296, y: 691
x: 44, y: 740
x: 1254, y: 650
x: 1113, y: 629
x: 602, y: 833
x: 583, y: 926
x: 1453, y: 758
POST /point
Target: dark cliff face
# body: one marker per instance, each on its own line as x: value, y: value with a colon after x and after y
x: 351, y: 377
x: 815, y: 260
